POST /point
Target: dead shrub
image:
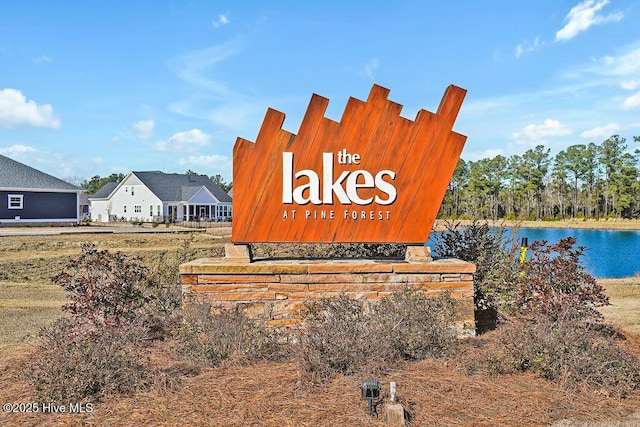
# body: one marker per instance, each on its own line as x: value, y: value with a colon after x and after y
x: 162, y: 292
x: 74, y: 365
x: 334, y: 250
x: 340, y: 338
x: 228, y: 337
x: 348, y: 336
x: 570, y: 352
x: 418, y: 327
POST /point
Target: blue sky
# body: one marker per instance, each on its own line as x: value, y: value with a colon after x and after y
x: 99, y: 87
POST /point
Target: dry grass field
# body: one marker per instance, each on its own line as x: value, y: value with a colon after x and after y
x: 437, y: 392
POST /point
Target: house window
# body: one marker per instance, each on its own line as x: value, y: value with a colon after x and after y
x: 132, y: 191
x: 125, y: 208
x: 137, y: 208
x: 158, y: 210
x: 16, y: 201
x: 151, y: 210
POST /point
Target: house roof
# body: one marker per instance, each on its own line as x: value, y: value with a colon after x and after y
x: 174, y: 187
x: 15, y: 175
x: 104, y: 192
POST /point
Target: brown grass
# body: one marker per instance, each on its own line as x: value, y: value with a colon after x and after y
x: 270, y: 394
x: 624, y: 297
x: 437, y: 393
x: 28, y: 297
x: 24, y: 309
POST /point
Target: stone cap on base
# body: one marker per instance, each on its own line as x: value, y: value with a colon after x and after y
x: 311, y: 266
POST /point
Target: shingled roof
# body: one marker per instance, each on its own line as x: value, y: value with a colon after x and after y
x: 173, y: 187
x: 105, y: 191
x: 15, y: 175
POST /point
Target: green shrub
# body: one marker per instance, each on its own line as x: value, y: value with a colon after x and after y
x: 71, y: 365
x: 229, y: 337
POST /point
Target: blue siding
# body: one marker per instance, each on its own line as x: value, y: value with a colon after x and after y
x: 40, y: 206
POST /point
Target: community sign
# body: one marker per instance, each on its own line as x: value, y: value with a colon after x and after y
x: 372, y: 177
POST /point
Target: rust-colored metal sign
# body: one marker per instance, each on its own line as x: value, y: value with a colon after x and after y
x: 372, y: 177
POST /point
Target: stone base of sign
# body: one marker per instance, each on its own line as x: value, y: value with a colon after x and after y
x: 275, y: 290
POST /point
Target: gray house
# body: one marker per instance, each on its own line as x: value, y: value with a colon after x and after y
x: 157, y: 196
x: 29, y: 196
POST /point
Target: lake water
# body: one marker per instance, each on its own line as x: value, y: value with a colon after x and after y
x: 608, y: 254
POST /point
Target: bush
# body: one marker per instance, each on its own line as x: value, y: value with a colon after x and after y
x: 348, y: 336
x: 340, y: 338
x: 494, y: 251
x: 116, y: 304
x: 338, y: 250
x: 555, y: 285
x: 567, y: 351
x: 418, y: 327
x: 551, y: 283
x: 162, y: 291
x: 229, y: 337
x: 105, y: 288
x: 72, y: 365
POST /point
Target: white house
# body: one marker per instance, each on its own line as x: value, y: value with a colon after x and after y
x: 156, y: 196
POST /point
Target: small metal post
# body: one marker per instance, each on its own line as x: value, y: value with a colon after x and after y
x: 523, y: 249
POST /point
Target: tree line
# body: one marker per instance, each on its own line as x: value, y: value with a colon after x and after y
x: 582, y: 181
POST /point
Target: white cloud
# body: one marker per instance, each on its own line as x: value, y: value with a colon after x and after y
x: 584, y: 15
x: 42, y: 59
x: 601, y: 132
x: 214, y: 160
x: 195, y: 68
x: 369, y: 69
x: 223, y: 19
x: 209, y: 164
x: 187, y: 141
x: 17, y: 150
x: 627, y: 64
x: 527, y: 47
x: 632, y: 102
x: 144, y: 128
x: 539, y: 132
x: 629, y: 84
x: 16, y: 111
x: 485, y: 154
